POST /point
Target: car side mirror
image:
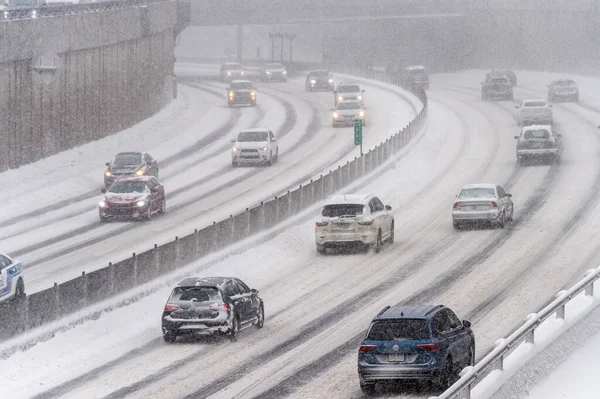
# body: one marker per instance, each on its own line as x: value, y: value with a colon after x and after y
x: 516, y: 106
x: 227, y: 88
x: 550, y: 105
x: 509, y: 195
x: 388, y: 208
x: 559, y: 135
x: 233, y: 140
x: 274, y: 139
x: 362, y: 91
x: 103, y: 191
x: 467, y: 323
x: 254, y: 291
x: 516, y: 137
x: 107, y: 164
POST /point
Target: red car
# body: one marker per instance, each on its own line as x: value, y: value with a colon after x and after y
x: 132, y: 197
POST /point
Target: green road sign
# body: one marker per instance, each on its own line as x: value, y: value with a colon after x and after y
x: 358, y: 132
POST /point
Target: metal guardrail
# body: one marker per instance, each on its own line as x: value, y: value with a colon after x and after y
x: 64, y: 299
x: 70, y: 9
x: 471, y: 376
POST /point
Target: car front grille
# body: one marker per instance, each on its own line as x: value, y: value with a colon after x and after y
x: 249, y: 154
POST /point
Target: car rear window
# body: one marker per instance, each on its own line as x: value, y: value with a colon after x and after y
x: 537, y: 134
x: 339, y: 210
x: 477, y: 192
x: 535, y: 104
x: 502, y: 81
x: 564, y: 83
x: 404, y: 329
x: 348, y: 89
x: 199, y: 294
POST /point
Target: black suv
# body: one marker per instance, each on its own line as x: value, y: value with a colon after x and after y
x: 130, y: 164
x: 415, y: 343
x: 241, y: 92
x: 496, y: 87
x: 319, y: 80
x: 211, y: 305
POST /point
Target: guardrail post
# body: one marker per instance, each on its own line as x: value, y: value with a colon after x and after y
x: 177, y: 252
x: 156, y: 257
x: 134, y: 271
x: 248, y: 223
x: 56, y: 301
x: 261, y: 217
x: 215, y: 237
x: 589, y: 290
x: 530, y: 337
x: 85, y: 288
x: 560, y: 313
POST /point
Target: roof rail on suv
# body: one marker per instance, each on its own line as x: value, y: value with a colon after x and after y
x: 383, y: 310
x: 433, y: 309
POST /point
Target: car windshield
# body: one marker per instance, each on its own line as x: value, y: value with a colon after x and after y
x: 348, y: 105
x: 199, y: 294
x: 417, y: 72
x: 502, y: 81
x: 242, y: 86
x: 537, y: 134
x: 253, y: 136
x: 128, y: 186
x: 564, y: 83
x: 530, y: 104
x: 339, y: 210
x: 348, y: 89
x: 128, y: 159
x: 477, y: 192
x: 319, y: 74
x: 274, y: 66
x: 393, y: 330
x: 232, y: 67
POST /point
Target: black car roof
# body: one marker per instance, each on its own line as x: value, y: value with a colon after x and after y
x: 409, y: 312
x: 203, y: 281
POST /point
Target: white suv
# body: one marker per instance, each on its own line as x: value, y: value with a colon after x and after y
x: 12, y: 285
x: 534, y: 112
x: 354, y: 220
x: 254, y: 146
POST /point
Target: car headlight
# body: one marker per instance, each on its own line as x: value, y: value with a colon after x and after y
x: 234, y: 149
x: 336, y: 115
x: 330, y: 80
x: 253, y: 94
x: 102, y: 204
x: 313, y: 81
x: 267, y: 72
x: 340, y: 98
x: 242, y: 73
x: 265, y: 149
x: 140, y: 203
x: 140, y: 172
x: 361, y: 114
x: 359, y: 97
x: 284, y: 72
x: 33, y: 14
x: 107, y: 173
x: 228, y: 73
x: 231, y: 95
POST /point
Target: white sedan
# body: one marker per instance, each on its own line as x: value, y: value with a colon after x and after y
x: 254, y: 146
x: 12, y: 284
x: 346, y: 112
x: 354, y: 221
x: 482, y: 203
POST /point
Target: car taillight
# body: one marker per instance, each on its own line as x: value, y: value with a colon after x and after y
x: 457, y: 205
x: 493, y: 204
x: 170, y: 308
x: 366, y: 223
x: 217, y: 306
x: 367, y: 348
x: 322, y: 224
x: 429, y: 347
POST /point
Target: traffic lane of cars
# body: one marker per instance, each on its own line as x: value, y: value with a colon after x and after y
x: 348, y: 284
x: 164, y: 228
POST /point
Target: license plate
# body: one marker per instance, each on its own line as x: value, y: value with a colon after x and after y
x: 342, y: 226
x: 396, y: 357
x: 470, y: 208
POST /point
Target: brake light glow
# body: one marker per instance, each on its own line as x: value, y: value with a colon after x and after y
x: 429, y: 347
x: 366, y: 223
x: 367, y: 348
x: 457, y: 205
x: 217, y: 306
x: 170, y: 308
x: 322, y: 224
x: 493, y: 204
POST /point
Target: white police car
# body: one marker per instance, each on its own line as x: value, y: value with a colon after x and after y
x: 12, y: 284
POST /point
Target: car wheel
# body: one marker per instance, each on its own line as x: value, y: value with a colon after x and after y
x: 368, y: 389
x: 270, y: 162
x: 557, y: 160
x: 277, y: 155
x: 235, y: 329
x: 163, y: 206
x: 378, y: 242
x: 321, y: 249
x: 103, y: 219
x: 445, y: 378
x: 20, y: 289
x: 261, y: 317
x: 234, y: 164
x: 456, y: 225
x: 576, y: 99
x: 169, y: 337
x: 502, y: 221
x: 391, y: 237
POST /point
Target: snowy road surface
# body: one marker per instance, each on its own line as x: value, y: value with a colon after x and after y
x: 317, y: 307
x: 56, y: 240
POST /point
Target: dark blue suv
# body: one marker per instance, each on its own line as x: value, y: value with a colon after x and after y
x: 415, y: 343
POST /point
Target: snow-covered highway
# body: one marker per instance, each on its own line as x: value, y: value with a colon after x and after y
x: 319, y: 306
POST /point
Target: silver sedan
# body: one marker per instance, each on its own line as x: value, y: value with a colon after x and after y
x: 482, y: 203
